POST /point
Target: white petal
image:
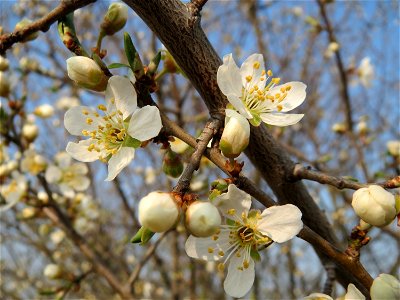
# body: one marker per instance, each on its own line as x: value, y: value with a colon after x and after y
x: 53, y: 174
x: 63, y: 159
x: 239, y: 106
x: 75, y: 120
x: 122, y: 91
x: 247, y: 69
x: 78, y: 169
x: 295, y: 96
x: 279, y: 119
x: 228, y: 77
x: 318, y: 296
x: 235, y: 199
x: 80, y: 152
x: 280, y: 223
x: 353, y: 293
x: 119, y: 161
x: 80, y: 183
x: 199, y: 247
x: 238, y: 282
x: 145, y: 123
x: 66, y: 190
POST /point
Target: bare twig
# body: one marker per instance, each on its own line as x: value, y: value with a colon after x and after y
x: 43, y: 24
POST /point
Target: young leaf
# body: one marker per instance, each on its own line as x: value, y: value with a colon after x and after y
x: 118, y: 65
x: 130, y: 50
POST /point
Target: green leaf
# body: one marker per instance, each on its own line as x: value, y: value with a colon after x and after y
x: 137, y: 238
x: 118, y: 65
x: 131, y: 142
x: 350, y: 178
x: 153, y: 66
x: 130, y: 50
x: 146, y: 236
x: 142, y: 236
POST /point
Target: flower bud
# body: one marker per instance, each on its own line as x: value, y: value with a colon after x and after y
x: 178, y: 146
x: 28, y: 212
x: 374, y: 205
x: 339, y: 128
x: 21, y: 25
x: 28, y: 64
x: 202, y: 219
x: 86, y: 73
x: 4, y: 85
x: 172, y: 164
x: 44, y: 111
x: 30, y: 132
x: 236, y: 135
x: 52, y: 271
x: 158, y: 211
x: 170, y: 64
x: 115, y: 18
x: 385, y: 286
x: 393, y: 148
x: 362, y: 127
x: 3, y: 63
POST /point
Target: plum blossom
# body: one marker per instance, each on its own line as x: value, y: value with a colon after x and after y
x: 244, y: 233
x: 256, y: 95
x: 14, y: 191
x: 69, y: 176
x: 113, y: 136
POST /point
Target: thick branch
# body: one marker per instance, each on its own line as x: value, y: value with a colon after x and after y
x: 43, y: 24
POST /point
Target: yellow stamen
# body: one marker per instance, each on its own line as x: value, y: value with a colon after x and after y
x: 89, y: 121
x: 269, y: 73
x: 210, y: 250
x: 249, y: 78
x: 102, y: 107
x: 256, y: 65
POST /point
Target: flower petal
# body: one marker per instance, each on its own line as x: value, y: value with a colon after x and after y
x: 280, y: 223
x: 63, y: 159
x: 235, y: 199
x: 80, y: 151
x: 66, y: 190
x: 238, y: 282
x: 80, y: 183
x: 279, y: 119
x: 353, y: 293
x: 145, y: 123
x: 78, y: 168
x: 248, y: 69
x: 76, y: 120
x: 228, y: 77
x: 119, y: 161
x: 53, y: 174
x: 295, y: 96
x: 121, y: 90
x: 318, y: 296
x: 200, y: 247
x: 239, y: 106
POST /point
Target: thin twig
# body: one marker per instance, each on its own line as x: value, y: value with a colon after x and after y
x: 43, y: 24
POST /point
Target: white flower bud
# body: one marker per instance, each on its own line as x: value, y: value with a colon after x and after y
x: 362, y: 127
x: 158, y: 211
x: 236, y: 135
x: 4, y: 85
x: 52, y: 271
x: 28, y: 212
x: 3, y: 63
x: 57, y: 236
x: 393, y: 147
x: 44, y: 111
x: 86, y: 73
x: 115, y: 18
x: 385, y: 286
x: 339, y: 128
x: 28, y: 64
x: 374, y: 205
x: 21, y: 25
x: 202, y: 219
x: 30, y: 131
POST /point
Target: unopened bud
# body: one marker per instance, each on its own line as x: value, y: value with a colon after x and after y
x: 44, y: 111
x: 158, y: 211
x: 178, y: 146
x: 4, y: 85
x: 374, y: 205
x: 170, y: 63
x: 115, y: 18
x: 23, y: 24
x: 30, y: 132
x: 53, y: 271
x: 385, y: 286
x: 339, y: 128
x: 28, y: 212
x: 362, y: 127
x: 3, y: 63
x: 202, y: 219
x: 86, y: 73
x: 28, y: 64
x: 236, y: 135
x: 393, y: 148
x: 172, y: 164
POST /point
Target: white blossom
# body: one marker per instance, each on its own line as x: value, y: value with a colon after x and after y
x: 245, y: 232
x: 112, y: 137
x: 14, y: 190
x: 366, y: 72
x: 256, y: 95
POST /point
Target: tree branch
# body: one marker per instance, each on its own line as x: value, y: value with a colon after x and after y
x: 43, y: 24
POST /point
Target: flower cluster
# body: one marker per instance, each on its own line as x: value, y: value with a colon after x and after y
x: 113, y: 131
